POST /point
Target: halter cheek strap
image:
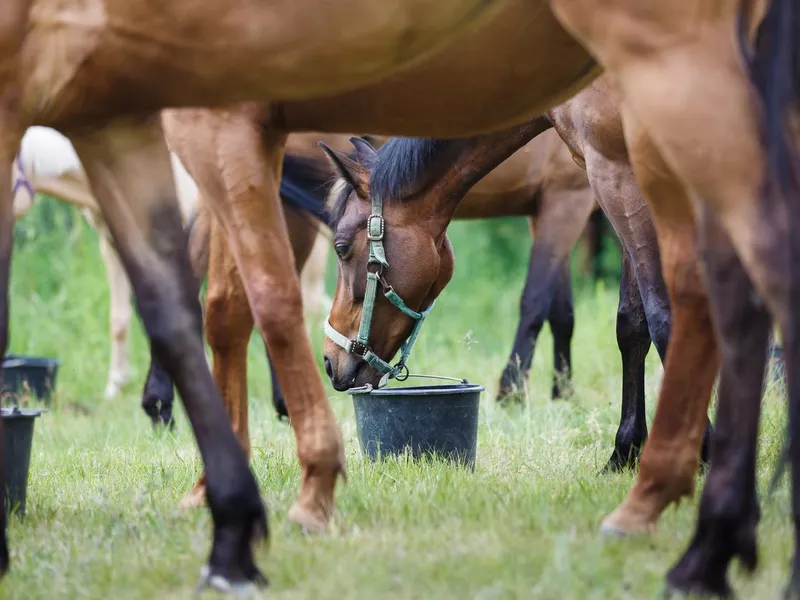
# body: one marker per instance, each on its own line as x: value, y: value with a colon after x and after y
x: 360, y: 345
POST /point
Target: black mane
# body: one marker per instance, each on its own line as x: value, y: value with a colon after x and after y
x: 402, y: 166
x: 402, y: 163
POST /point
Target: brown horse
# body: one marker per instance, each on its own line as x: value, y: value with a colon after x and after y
x: 540, y: 180
x: 87, y: 67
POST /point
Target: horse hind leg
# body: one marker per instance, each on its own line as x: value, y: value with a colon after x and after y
x: 556, y: 230
x: 228, y: 325
x: 126, y: 160
x: 633, y: 340
x: 562, y: 324
x: 670, y: 459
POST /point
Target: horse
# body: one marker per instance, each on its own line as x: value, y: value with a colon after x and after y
x: 76, y: 67
x: 540, y: 180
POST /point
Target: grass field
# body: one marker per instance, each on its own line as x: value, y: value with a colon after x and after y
x: 102, y: 516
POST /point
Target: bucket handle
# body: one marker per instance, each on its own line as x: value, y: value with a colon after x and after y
x: 367, y: 388
x: 424, y: 376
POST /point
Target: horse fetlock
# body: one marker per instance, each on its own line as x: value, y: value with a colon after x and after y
x: 314, y: 506
x: 240, y: 519
x: 640, y: 511
x: 231, y: 565
x: 4, y: 557
x: 717, y: 541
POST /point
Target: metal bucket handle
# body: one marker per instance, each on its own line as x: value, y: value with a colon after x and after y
x: 367, y: 388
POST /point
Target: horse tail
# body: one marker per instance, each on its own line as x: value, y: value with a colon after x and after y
x: 304, y: 185
x: 775, y: 72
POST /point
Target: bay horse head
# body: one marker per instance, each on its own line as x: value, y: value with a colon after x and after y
x: 389, y: 224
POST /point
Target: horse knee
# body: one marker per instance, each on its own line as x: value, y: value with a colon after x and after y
x: 278, y: 312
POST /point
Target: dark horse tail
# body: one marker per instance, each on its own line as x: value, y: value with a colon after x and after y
x: 775, y: 71
x: 305, y: 184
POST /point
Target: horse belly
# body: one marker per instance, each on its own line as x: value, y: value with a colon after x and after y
x: 116, y: 56
x: 516, y: 67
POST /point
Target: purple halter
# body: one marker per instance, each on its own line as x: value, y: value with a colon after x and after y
x: 22, y: 181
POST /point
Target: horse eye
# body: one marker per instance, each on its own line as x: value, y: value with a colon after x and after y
x: 342, y: 249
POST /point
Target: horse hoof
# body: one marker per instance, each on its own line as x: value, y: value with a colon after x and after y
x: 112, y: 391
x: 218, y: 583
x: 309, y: 521
x: 194, y: 499
x: 618, y: 525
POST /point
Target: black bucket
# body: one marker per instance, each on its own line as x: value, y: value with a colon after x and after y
x: 439, y: 419
x: 29, y: 374
x: 18, y: 432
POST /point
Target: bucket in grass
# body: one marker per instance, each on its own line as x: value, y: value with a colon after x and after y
x: 440, y: 420
x: 24, y: 375
x: 18, y: 433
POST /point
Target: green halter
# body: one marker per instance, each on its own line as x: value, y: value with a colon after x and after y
x: 360, y: 345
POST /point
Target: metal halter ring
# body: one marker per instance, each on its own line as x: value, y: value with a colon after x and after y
x: 403, y: 373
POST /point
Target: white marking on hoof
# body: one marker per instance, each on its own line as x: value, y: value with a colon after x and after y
x: 220, y: 584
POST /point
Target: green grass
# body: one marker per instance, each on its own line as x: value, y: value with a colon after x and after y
x: 102, y: 516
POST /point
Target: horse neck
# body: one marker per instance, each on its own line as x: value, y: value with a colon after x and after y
x: 473, y: 159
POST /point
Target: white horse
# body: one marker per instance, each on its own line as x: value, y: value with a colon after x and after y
x: 47, y: 164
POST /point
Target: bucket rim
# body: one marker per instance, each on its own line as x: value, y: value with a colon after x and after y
x: 447, y: 389
x: 15, y: 412
x: 21, y: 360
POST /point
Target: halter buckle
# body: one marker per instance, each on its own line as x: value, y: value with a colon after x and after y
x: 375, y: 228
x: 358, y: 348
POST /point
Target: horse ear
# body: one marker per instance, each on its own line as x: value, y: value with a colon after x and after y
x: 365, y: 152
x: 348, y: 169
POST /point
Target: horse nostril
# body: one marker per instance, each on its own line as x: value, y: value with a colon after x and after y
x: 328, y: 367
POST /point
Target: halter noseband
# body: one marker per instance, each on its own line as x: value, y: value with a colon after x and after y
x: 360, y: 345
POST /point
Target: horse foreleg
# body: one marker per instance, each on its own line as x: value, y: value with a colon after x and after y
x: 158, y: 395
x: 120, y: 315
x: 128, y: 166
